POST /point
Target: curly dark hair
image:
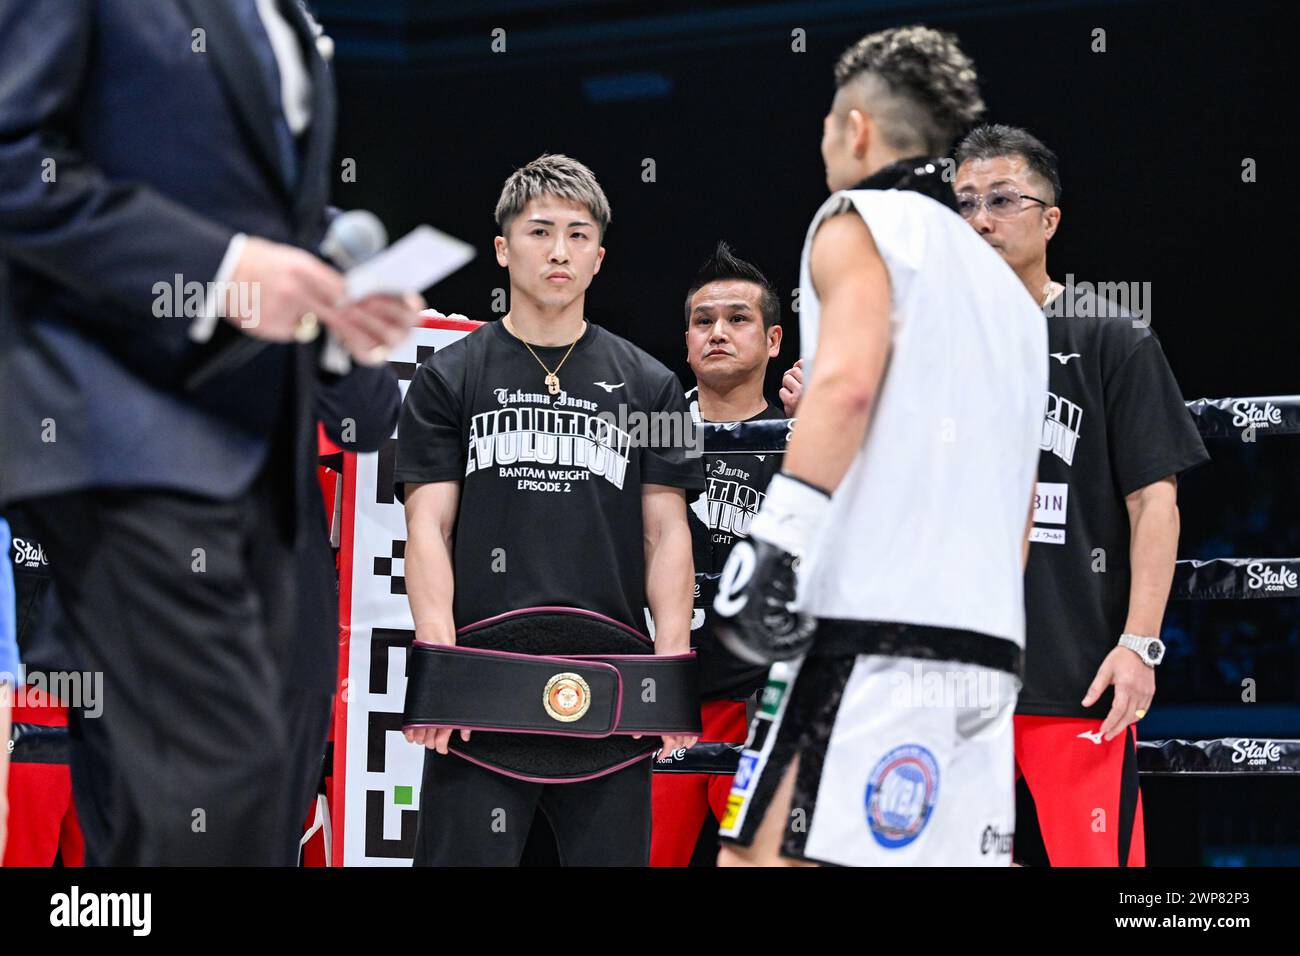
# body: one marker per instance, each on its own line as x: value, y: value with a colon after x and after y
x: 931, y: 90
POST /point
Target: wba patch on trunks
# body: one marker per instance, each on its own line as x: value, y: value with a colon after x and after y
x: 552, y: 694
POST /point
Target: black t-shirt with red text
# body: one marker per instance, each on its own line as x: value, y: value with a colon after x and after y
x: 550, y: 498
x: 1115, y: 422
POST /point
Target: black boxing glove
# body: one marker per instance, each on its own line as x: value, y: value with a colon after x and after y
x: 755, y: 618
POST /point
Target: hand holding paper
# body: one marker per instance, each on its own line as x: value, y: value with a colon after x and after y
x: 374, y: 319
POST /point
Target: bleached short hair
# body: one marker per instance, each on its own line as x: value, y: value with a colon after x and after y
x: 552, y: 174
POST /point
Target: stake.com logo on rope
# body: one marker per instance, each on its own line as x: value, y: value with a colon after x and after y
x: 1259, y: 576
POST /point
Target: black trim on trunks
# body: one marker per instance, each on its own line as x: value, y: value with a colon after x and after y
x: 837, y: 637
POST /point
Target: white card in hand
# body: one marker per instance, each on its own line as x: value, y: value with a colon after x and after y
x: 416, y: 261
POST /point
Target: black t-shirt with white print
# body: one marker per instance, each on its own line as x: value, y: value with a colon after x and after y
x: 1115, y: 422
x: 550, y: 499
x: 719, y: 518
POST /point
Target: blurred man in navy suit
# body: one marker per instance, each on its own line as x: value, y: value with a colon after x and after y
x: 146, y: 145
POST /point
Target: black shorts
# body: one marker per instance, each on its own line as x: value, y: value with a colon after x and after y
x: 470, y: 816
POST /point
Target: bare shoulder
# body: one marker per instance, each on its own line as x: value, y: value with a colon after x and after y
x: 842, y: 247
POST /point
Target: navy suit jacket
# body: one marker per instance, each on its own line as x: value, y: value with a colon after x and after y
x: 128, y: 157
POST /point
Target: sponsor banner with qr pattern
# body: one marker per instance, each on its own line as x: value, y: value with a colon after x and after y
x: 376, y: 772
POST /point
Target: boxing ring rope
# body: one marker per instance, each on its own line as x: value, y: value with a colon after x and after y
x: 1247, y: 419
x: 1235, y: 579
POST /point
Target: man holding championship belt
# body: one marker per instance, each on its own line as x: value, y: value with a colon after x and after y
x: 545, y: 508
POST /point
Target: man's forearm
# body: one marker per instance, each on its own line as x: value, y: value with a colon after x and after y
x: 670, y: 586
x: 430, y: 586
x: 1153, y: 548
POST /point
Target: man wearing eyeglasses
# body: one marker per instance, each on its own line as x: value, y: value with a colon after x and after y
x: 1116, y: 434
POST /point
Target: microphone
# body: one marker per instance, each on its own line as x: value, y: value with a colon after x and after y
x: 352, y: 237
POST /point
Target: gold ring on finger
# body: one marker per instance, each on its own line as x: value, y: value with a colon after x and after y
x: 307, y: 328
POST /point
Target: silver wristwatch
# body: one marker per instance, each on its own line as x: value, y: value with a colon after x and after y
x: 1150, y: 649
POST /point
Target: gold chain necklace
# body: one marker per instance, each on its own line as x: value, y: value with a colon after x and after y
x: 552, y: 377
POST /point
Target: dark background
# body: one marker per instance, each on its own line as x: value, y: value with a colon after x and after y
x: 1151, y: 134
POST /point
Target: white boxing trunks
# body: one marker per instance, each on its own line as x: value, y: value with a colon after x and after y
x: 903, y: 761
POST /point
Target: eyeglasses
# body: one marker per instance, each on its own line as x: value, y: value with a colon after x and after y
x: 1002, y: 203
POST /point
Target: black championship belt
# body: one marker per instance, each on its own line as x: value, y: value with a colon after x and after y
x: 553, y: 694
